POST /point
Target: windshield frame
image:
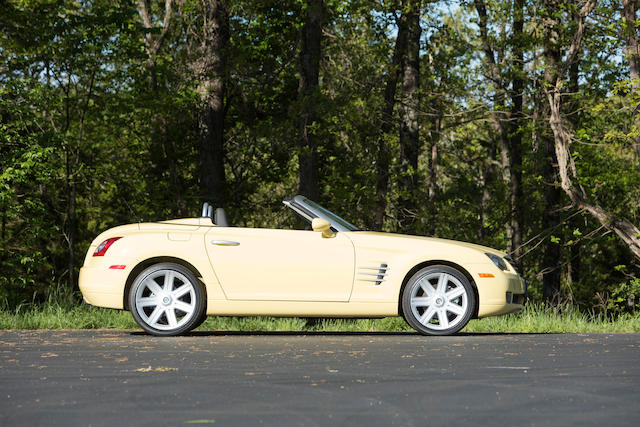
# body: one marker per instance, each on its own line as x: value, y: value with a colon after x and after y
x: 308, y: 209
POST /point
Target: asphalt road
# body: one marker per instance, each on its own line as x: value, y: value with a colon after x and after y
x: 106, y: 378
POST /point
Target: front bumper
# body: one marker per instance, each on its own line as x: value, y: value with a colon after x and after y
x: 501, y: 294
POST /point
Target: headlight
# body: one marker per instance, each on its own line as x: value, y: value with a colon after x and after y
x: 498, y: 261
x: 513, y: 265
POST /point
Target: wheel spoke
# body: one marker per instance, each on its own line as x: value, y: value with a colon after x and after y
x: 157, y: 312
x: 454, y: 308
x: 153, y: 286
x: 443, y: 319
x: 147, y: 302
x: 171, y: 318
x: 428, y: 315
x: 168, y: 281
x: 182, y: 290
x: 455, y: 293
x: 421, y: 301
x: 183, y: 306
x: 442, y: 283
x: 427, y: 287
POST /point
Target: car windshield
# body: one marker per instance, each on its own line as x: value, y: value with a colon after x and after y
x: 333, y: 218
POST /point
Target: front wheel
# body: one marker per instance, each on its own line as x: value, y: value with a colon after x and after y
x: 438, y: 300
x: 167, y: 299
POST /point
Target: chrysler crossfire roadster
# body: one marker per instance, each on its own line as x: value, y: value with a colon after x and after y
x: 172, y: 274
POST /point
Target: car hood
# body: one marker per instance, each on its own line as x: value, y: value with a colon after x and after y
x: 407, y: 242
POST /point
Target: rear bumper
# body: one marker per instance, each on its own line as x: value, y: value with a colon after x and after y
x: 102, y: 286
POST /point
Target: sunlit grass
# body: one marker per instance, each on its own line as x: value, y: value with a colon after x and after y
x: 59, y: 316
x: 535, y: 318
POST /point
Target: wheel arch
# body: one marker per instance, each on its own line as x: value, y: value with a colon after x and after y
x: 429, y: 263
x: 158, y: 260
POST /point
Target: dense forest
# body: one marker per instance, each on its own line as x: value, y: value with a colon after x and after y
x: 510, y: 123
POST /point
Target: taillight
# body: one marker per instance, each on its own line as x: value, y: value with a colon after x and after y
x: 104, y: 246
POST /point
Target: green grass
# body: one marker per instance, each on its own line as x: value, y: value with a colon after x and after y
x: 59, y: 316
x: 535, y: 318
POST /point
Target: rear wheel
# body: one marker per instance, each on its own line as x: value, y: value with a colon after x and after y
x: 167, y: 299
x: 438, y: 300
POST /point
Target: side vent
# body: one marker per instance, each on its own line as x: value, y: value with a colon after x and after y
x: 373, y: 274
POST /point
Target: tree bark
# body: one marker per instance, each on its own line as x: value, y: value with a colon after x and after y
x: 409, y: 124
x: 383, y: 156
x: 551, y: 273
x: 488, y: 178
x: 554, y: 77
x: 632, y: 53
x: 515, y: 132
x: 432, y: 178
x: 551, y: 259
x: 572, y: 254
x: 153, y: 44
x: 308, y: 87
x: 210, y: 68
x: 72, y: 219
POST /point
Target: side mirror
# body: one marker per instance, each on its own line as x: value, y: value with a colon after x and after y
x: 321, y: 224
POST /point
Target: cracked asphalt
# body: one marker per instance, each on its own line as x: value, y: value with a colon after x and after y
x: 113, y: 377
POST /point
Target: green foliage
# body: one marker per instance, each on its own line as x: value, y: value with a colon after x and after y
x: 625, y: 297
x: 96, y: 132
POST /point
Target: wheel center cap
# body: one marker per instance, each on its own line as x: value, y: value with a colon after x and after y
x: 166, y: 300
x: 439, y: 302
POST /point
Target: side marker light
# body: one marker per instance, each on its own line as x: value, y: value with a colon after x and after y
x: 118, y: 267
x: 487, y: 275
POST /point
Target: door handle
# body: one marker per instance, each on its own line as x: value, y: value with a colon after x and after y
x: 225, y: 243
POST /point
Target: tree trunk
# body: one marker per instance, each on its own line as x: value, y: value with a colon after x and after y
x: 310, y: 51
x: 210, y: 67
x: 551, y: 273
x: 432, y: 178
x: 71, y: 221
x: 409, y: 125
x: 632, y: 53
x: 383, y: 157
x: 554, y: 77
x: 515, y: 132
x: 573, y: 111
x: 488, y: 178
x: 3, y: 224
x: 153, y: 44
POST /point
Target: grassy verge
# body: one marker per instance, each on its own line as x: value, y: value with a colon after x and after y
x: 534, y: 319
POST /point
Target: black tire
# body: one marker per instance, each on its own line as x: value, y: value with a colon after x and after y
x: 454, y: 300
x: 167, y: 309
x: 200, y: 321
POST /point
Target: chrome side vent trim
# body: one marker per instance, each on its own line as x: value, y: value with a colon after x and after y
x: 373, y: 274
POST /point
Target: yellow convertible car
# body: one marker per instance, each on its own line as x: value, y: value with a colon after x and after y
x: 172, y: 274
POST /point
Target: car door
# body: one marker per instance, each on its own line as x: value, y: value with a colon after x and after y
x: 281, y: 265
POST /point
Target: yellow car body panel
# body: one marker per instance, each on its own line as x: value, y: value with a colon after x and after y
x: 290, y: 272
x: 281, y: 265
